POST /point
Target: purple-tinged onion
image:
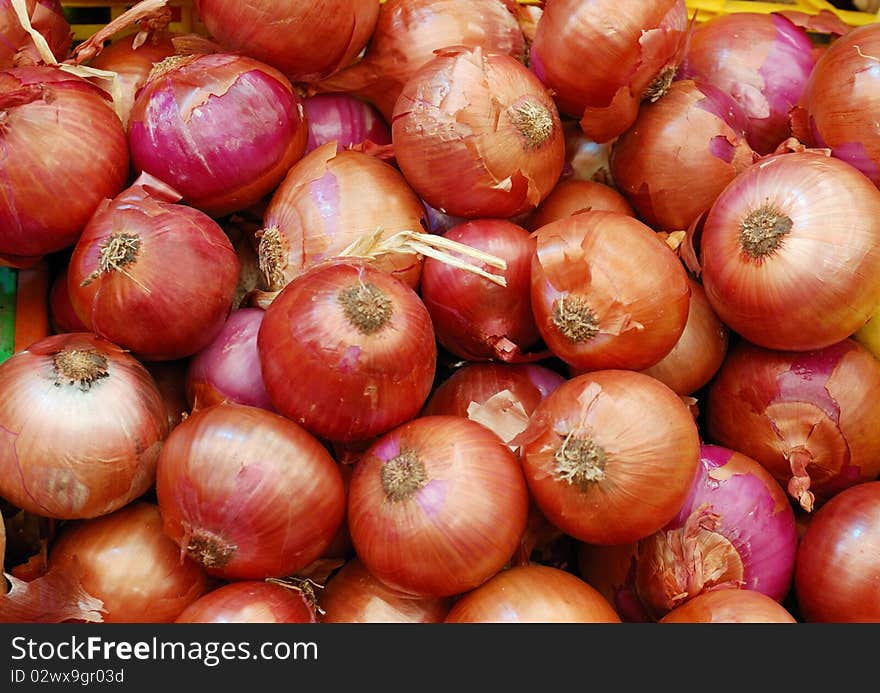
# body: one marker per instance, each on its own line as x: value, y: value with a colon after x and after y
x: 345, y: 119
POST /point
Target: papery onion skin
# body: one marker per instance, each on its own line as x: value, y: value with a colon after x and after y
x: 573, y: 196
x: 221, y: 129
x: 601, y: 57
x: 437, y: 506
x: 680, y: 153
x: 762, y: 60
x: 131, y: 565
x: 81, y: 427
x: 347, y: 351
x: 228, y: 369
x: 407, y: 34
x: 304, y: 39
x: 329, y: 200
x: 607, y: 292
x: 47, y: 17
x: 730, y: 606
x: 152, y: 275
x: 699, y: 352
x: 785, y: 242
x: 473, y: 317
x: 610, y: 456
x: 249, y: 601
x: 533, y: 594
x: 248, y: 493
x: 44, y: 109
x: 354, y: 595
x: 842, y: 99
x: 808, y: 417
x: 477, y: 135
x: 343, y: 119
x: 837, y: 567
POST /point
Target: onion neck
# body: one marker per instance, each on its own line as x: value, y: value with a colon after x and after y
x: 117, y: 252
x: 580, y: 461
x: 574, y: 318
x: 366, y: 307
x: 533, y: 122
x: 403, y: 476
x: 209, y: 549
x: 661, y: 84
x: 272, y: 257
x: 169, y: 64
x: 762, y: 231
x: 799, y: 483
x: 79, y: 367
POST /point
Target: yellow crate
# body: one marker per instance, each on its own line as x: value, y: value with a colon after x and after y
x: 706, y: 9
x: 83, y: 22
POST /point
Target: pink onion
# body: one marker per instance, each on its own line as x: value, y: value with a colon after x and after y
x: 344, y: 119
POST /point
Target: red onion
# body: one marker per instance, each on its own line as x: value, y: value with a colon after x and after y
x: 343, y: 119
x: 730, y: 606
x: 250, y: 601
x: 573, y: 196
x: 221, y: 129
x: 47, y: 17
x: 45, y: 201
x: 762, y: 60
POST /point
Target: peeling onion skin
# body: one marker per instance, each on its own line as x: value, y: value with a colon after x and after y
x: 70, y: 449
x: 47, y: 110
x: 130, y: 564
x: 437, y: 506
x: 610, y: 456
x: 838, y: 562
x: 248, y: 493
x: 47, y: 17
x: 808, y: 417
x: 477, y: 135
x: 790, y: 251
x: 221, y: 129
x: 730, y: 606
x: 533, y: 593
x: 249, y: 601
x: 354, y: 595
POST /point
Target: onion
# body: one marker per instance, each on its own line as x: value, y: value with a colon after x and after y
x: 700, y: 350
x: 730, y: 606
x: 607, y: 292
x: 680, y: 154
x: 836, y: 570
x: 573, y: 196
x: 790, y: 251
x: 228, y: 369
x: 808, y: 417
x: 601, y: 58
x: 82, y: 424
x: 610, y: 456
x: 343, y: 119
x: 62, y: 316
x: 475, y: 318
x: 406, y: 36
x: 584, y: 158
x: 437, y: 506
x: 221, y: 129
x: 354, y: 595
x: 47, y: 17
x: 842, y: 97
x: 329, y: 200
x: 735, y: 530
x: 248, y: 493
x: 46, y: 200
x: 250, y: 601
x: 477, y: 135
x: 533, y: 594
x: 347, y: 351
x: 151, y: 275
x: 130, y: 564
x: 305, y: 39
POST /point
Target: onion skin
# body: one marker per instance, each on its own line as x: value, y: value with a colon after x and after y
x: 221, y: 129
x: 327, y: 201
x: 680, y: 153
x: 249, y: 601
x: 437, y: 506
x: 473, y: 317
x: 353, y: 595
x: 130, y: 565
x: 305, y: 39
x: 171, y: 291
x: 47, y: 17
x: 47, y: 110
x: 343, y: 119
x: 610, y: 456
x: 808, y: 417
x: 224, y: 484
x: 607, y: 292
x: 599, y: 57
x: 574, y: 196
x: 347, y: 351
x: 762, y: 60
x: 836, y: 572
x: 815, y: 225
x: 71, y: 448
x: 730, y: 606
x: 495, y: 150
x: 533, y: 594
